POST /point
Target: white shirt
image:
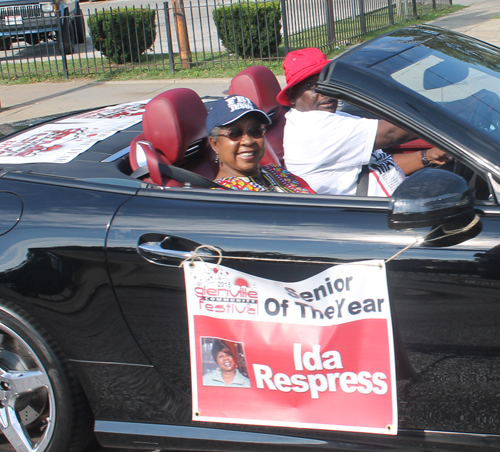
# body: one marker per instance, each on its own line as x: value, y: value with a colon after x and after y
x: 329, y: 149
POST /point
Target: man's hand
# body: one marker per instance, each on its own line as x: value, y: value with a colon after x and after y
x: 413, y: 161
x: 437, y: 157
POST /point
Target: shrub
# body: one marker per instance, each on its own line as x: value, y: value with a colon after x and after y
x: 251, y: 30
x: 123, y: 36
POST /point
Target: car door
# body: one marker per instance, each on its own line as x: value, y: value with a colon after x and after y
x: 445, y: 299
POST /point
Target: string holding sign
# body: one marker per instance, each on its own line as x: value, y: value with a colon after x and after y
x: 198, y: 256
x: 418, y: 240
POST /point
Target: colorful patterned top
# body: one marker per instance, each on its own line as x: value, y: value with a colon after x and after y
x: 275, y: 179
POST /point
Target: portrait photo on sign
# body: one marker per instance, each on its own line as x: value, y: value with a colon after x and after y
x: 223, y: 363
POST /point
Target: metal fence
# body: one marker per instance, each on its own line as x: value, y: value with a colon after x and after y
x: 184, y: 34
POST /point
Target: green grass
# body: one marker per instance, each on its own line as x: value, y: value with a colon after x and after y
x: 204, y: 64
x: 153, y: 67
x: 348, y: 31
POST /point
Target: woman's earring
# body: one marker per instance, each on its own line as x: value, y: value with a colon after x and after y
x: 216, y: 158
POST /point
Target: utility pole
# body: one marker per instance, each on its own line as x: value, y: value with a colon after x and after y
x: 330, y: 21
x: 182, y: 34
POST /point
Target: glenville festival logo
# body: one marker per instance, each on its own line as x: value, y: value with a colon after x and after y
x: 217, y: 292
x: 316, y: 353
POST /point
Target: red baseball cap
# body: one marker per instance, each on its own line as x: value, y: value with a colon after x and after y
x: 299, y: 65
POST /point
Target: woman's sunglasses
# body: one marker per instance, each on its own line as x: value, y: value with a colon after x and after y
x: 236, y: 133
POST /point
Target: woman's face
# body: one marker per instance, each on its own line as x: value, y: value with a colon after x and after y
x: 240, y: 157
x: 225, y: 360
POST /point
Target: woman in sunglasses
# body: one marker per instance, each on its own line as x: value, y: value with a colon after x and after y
x: 236, y: 130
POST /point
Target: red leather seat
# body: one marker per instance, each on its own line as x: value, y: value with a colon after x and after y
x: 261, y: 86
x: 173, y: 122
x: 409, y: 147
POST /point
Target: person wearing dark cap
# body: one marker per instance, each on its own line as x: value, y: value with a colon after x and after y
x: 328, y: 149
x: 236, y: 129
x: 227, y: 373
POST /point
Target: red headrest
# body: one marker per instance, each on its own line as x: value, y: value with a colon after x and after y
x: 259, y: 84
x: 172, y: 121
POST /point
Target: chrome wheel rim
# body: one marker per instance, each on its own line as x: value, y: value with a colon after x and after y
x: 27, y: 401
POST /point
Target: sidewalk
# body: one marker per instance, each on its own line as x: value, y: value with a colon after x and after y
x: 476, y: 20
x: 21, y: 102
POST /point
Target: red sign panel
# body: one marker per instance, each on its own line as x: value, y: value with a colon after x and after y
x: 317, y: 353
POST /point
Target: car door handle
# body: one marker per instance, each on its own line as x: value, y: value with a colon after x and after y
x: 156, y: 249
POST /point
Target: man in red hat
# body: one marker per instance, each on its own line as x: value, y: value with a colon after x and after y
x: 329, y: 149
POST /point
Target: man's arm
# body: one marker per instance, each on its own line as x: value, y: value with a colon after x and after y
x: 412, y: 161
x: 390, y: 135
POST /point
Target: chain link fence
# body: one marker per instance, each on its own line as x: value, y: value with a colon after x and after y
x: 185, y: 34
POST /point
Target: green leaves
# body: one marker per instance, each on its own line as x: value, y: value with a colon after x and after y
x: 123, y: 36
x: 250, y: 30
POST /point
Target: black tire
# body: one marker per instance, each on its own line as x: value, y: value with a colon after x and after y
x: 50, y: 411
x: 5, y: 43
x: 33, y: 39
x: 79, y: 24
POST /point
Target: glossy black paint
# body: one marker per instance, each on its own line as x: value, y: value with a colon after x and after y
x: 445, y: 301
x: 435, y: 361
x: 53, y: 265
x: 71, y: 258
x: 12, y: 208
x: 430, y: 197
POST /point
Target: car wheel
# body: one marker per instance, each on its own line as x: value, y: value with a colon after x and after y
x: 79, y: 27
x: 32, y: 39
x: 42, y: 406
x: 5, y: 43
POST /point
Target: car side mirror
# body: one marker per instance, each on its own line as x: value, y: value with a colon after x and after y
x: 430, y: 197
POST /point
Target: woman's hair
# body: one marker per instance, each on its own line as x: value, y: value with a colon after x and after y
x: 214, y: 133
x: 217, y: 346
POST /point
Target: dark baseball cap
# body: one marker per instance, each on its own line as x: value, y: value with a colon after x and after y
x: 231, y: 108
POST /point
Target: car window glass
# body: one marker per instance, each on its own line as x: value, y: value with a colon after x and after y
x: 468, y: 90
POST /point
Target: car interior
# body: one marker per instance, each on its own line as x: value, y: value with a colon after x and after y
x: 174, y: 136
x: 171, y: 149
x: 174, y: 125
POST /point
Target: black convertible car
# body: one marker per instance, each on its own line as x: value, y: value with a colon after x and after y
x: 98, y: 211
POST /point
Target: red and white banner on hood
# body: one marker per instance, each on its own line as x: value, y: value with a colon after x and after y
x: 316, y: 353
x: 66, y: 139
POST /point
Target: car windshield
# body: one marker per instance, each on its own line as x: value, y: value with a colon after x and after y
x: 460, y: 76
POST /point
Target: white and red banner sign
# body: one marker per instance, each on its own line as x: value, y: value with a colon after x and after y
x: 317, y: 353
x: 63, y: 140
